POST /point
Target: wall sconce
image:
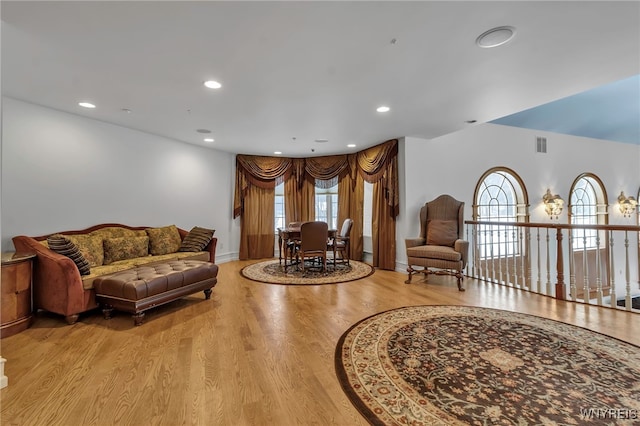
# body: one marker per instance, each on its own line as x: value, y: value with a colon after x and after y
x: 552, y: 204
x: 627, y: 204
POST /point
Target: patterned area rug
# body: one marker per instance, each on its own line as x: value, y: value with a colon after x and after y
x: 455, y: 365
x: 272, y: 272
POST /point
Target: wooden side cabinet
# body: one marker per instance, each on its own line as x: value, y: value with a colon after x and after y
x: 15, y: 296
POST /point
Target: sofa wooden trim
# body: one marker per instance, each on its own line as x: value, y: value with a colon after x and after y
x: 57, y: 284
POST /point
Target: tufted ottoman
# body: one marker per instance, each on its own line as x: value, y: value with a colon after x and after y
x: 143, y: 287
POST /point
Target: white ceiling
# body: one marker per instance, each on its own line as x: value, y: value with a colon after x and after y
x: 309, y: 70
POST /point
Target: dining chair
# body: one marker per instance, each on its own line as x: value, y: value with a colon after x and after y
x: 340, y: 244
x: 313, y: 242
x: 293, y: 244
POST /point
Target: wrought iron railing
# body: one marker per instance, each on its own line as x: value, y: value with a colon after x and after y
x: 593, y: 264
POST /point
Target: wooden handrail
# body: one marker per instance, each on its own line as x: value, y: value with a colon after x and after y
x: 562, y: 247
x: 632, y: 228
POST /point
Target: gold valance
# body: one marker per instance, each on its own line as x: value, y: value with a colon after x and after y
x: 373, y: 164
x: 265, y: 172
x: 380, y: 163
x: 260, y: 171
x: 327, y: 167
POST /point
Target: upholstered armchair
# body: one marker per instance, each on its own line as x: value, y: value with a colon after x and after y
x: 440, y: 249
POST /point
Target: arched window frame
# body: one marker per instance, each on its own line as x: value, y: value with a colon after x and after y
x: 596, y: 212
x: 511, y: 185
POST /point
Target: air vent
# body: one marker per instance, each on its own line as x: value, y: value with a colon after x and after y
x: 541, y: 144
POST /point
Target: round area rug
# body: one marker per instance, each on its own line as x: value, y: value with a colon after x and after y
x: 456, y: 365
x: 272, y: 272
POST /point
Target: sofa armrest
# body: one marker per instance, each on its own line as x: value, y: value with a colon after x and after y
x: 57, y: 285
x: 414, y: 242
x: 211, y: 247
x: 462, y: 247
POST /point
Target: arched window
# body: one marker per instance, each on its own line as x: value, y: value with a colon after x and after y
x: 500, y: 196
x: 588, y: 206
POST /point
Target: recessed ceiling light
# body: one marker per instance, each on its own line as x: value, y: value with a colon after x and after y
x: 209, y: 139
x: 471, y: 121
x: 277, y: 152
x: 203, y: 130
x: 211, y: 84
x: 86, y: 104
x: 127, y: 110
x: 495, y: 37
x: 351, y: 145
x: 383, y: 109
x: 322, y: 140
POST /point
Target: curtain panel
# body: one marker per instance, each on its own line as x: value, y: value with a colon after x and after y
x: 263, y: 172
x: 257, y: 236
x: 299, y: 200
x: 380, y: 163
x: 351, y: 205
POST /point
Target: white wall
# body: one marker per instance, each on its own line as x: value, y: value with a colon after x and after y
x: 452, y: 164
x: 62, y: 171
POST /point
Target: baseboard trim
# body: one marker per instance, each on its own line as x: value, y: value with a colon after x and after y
x: 227, y: 257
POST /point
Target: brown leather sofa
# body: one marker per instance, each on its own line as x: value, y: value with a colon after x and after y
x: 58, y: 286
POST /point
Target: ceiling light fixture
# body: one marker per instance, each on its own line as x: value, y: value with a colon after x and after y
x: 211, y: 84
x: 495, y: 37
x: 86, y: 104
x: 322, y: 140
x: 127, y: 110
x: 351, y: 145
x: 277, y: 152
x: 209, y: 140
x: 383, y: 109
x: 203, y: 130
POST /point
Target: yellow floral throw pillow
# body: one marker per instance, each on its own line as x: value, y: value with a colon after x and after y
x: 125, y: 248
x: 90, y: 246
x: 164, y: 240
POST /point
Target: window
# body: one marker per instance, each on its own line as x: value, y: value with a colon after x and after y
x: 500, y: 197
x: 279, y: 210
x: 327, y: 206
x: 367, y: 210
x: 588, y: 207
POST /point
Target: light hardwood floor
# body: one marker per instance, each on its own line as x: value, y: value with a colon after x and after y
x: 255, y: 354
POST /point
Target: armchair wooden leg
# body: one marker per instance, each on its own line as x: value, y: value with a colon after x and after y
x: 460, y: 277
x: 410, y: 271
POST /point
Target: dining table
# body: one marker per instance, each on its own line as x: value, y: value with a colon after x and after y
x: 292, y: 233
